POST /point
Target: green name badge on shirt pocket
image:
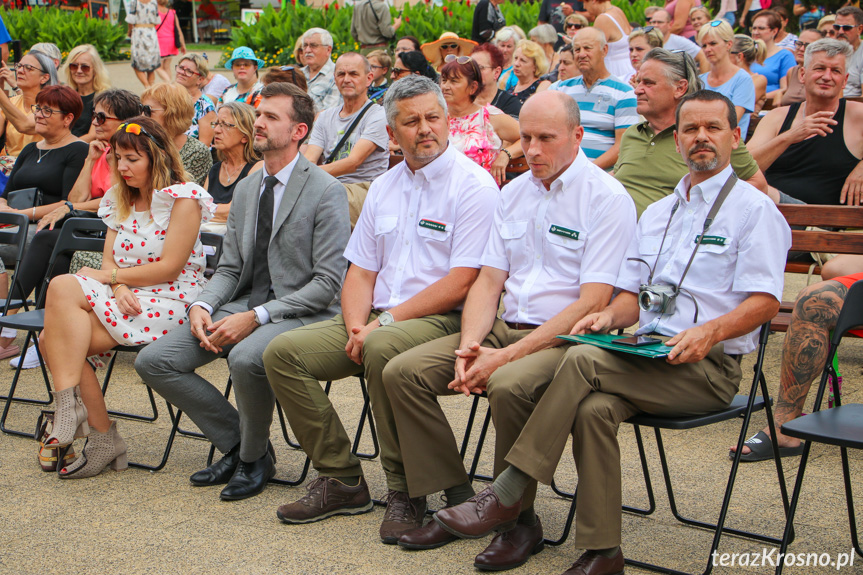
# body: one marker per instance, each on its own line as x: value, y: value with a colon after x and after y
x: 432, y: 225
x: 562, y: 231
x: 712, y: 240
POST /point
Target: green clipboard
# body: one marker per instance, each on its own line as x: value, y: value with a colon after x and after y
x: 606, y: 341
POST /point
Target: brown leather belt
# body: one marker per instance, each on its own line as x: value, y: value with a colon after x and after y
x: 517, y: 325
x: 373, y: 45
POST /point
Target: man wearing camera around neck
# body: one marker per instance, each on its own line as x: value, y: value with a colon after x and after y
x: 709, y: 313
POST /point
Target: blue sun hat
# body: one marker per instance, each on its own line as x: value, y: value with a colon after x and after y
x: 244, y: 53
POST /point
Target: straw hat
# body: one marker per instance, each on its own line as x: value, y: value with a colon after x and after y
x: 431, y: 50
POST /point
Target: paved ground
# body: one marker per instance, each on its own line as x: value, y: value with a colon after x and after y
x: 142, y: 522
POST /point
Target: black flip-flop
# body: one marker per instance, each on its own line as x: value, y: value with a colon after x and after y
x: 761, y: 449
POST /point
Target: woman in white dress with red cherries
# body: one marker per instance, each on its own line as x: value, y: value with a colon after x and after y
x: 153, y: 268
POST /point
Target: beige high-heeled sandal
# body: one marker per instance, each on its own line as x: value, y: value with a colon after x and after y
x: 70, y: 418
x: 100, y: 451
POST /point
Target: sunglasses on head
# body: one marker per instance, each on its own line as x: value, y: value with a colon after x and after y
x: 844, y: 27
x: 648, y: 29
x: 136, y: 129
x: 448, y: 46
x: 715, y: 23
x: 100, y: 118
x: 82, y: 67
x: 460, y: 59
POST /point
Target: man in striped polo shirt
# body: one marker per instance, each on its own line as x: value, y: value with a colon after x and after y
x: 607, y: 103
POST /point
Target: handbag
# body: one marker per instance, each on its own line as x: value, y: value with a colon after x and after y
x: 177, y: 38
x: 48, y: 453
x: 24, y: 199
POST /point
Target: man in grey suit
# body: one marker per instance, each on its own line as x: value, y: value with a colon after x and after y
x: 281, y: 268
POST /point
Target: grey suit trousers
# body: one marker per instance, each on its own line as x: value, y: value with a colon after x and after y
x: 168, y: 366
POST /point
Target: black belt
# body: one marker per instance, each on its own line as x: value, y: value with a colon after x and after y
x: 517, y: 325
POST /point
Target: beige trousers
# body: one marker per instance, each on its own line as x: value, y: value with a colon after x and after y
x: 592, y: 392
x: 415, y: 379
x: 297, y: 364
x: 356, y: 198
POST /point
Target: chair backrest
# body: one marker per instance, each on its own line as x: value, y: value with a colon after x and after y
x: 215, y: 241
x: 13, y: 232
x: 851, y: 315
x: 819, y: 240
x: 76, y: 235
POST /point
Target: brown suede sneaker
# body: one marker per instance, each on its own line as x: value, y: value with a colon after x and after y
x: 327, y: 497
x: 403, y: 514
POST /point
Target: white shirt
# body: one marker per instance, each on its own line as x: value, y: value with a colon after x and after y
x: 415, y: 227
x: 677, y: 43
x: 278, y: 191
x: 748, y: 245
x: 552, y: 241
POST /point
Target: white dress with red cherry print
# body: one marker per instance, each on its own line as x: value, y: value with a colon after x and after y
x: 140, y: 240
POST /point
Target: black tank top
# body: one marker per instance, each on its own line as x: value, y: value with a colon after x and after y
x: 814, y: 170
x: 222, y: 194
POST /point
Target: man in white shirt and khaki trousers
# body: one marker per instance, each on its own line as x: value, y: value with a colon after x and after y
x: 558, y: 238
x: 414, y: 254
x: 736, y: 277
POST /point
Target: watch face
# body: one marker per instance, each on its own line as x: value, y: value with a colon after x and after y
x: 386, y: 318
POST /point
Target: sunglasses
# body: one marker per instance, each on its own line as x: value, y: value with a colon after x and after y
x: 844, y: 27
x: 400, y: 71
x: 575, y: 25
x: 45, y: 111
x: 460, y: 59
x: 185, y: 71
x: 148, y: 111
x: 100, y: 118
x: 223, y: 125
x: 715, y: 23
x: 648, y: 29
x: 136, y: 129
x: 29, y: 68
x: 85, y: 68
x: 448, y: 46
x: 801, y: 45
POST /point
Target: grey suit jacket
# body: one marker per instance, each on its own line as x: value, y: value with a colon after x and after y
x: 306, y: 260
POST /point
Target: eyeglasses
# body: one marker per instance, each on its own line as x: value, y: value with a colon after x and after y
x: 656, y: 22
x: 844, y: 27
x: 243, y: 64
x: 449, y: 46
x: 221, y: 124
x: 100, y: 118
x: 148, y: 111
x: 29, y: 68
x: 761, y: 28
x: 85, y: 68
x: 575, y: 25
x: 311, y: 46
x: 373, y: 67
x: 137, y: 130
x: 45, y: 111
x: 186, y: 71
x: 801, y: 45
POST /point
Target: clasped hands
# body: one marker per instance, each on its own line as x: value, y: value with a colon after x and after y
x: 227, y: 331
x: 474, y: 365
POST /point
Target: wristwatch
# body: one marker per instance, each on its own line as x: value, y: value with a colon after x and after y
x: 70, y: 206
x: 386, y: 318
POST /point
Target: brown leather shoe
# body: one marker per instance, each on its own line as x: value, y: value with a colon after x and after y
x: 429, y: 536
x: 478, y: 516
x: 591, y: 563
x: 402, y: 514
x: 327, y: 496
x: 512, y: 548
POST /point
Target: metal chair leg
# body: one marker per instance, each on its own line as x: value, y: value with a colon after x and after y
x: 175, y: 419
x: 107, y: 379
x: 366, y: 414
x: 11, y: 397
x: 472, y: 474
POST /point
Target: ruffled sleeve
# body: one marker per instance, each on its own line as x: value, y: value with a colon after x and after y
x: 108, y: 208
x: 163, y: 202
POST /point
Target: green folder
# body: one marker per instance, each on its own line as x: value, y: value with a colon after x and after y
x: 606, y: 341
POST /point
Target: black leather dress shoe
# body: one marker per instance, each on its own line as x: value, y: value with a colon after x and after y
x: 221, y: 471
x: 249, y: 479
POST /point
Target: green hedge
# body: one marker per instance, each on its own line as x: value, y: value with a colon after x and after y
x: 66, y: 29
x: 274, y: 35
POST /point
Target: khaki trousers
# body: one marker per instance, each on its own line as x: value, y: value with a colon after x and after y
x: 592, y: 392
x: 356, y: 198
x: 415, y: 379
x: 297, y: 364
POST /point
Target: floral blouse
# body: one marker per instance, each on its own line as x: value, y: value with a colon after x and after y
x: 474, y: 136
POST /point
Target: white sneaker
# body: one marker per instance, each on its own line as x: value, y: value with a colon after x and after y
x: 31, y: 359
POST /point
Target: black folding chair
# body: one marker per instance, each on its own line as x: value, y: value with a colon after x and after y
x: 77, y: 234
x: 841, y: 425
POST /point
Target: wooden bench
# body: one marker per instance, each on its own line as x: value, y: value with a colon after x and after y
x: 818, y: 241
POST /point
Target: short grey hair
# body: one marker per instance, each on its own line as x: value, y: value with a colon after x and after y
x: 678, y: 66
x: 543, y: 34
x: 367, y: 67
x: 47, y: 65
x: 50, y: 49
x: 410, y: 87
x: 506, y: 34
x: 830, y: 47
x: 326, y: 37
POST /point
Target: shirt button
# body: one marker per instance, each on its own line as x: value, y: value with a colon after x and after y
x: 401, y: 268
x: 524, y: 309
x: 412, y: 214
x: 538, y: 226
x: 538, y: 256
x: 407, y: 242
x: 652, y: 143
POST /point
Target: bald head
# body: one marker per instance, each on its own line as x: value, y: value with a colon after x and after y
x: 354, y: 59
x: 550, y: 134
x: 592, y: 35
x: 589, y: 49
x: 661, y: 20
x: 557, y: 107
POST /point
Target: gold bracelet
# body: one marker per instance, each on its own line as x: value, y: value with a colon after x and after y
x: 114, y: 292
x: 114, y: 276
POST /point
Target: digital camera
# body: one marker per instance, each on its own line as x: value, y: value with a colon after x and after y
x: 657, y: 298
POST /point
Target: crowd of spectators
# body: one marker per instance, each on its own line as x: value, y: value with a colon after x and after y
x: 585, y: 93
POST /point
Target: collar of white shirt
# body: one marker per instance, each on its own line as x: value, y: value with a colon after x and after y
x: 568, y: 176
x: 434, y: 169
x: 283, y: 175
x: 706, y: 190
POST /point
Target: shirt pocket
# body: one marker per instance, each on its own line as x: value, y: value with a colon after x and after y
x: 650, y: 245
x: 435, y: 245
x: 515, y: 243
x: 565, y: 247
x: 385, y: 224
x: 713, y: 266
